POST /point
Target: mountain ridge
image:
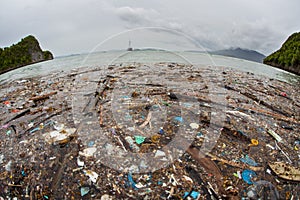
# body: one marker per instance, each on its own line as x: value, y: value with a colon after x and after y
x: 241, y: 53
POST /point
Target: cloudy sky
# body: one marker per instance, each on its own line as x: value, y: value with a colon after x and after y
x: 68, y: 26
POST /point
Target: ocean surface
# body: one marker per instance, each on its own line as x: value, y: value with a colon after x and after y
x: 101, y: 59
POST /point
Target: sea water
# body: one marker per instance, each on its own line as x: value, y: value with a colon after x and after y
x: 102, y: 59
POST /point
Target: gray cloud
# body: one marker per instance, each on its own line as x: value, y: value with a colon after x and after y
x: 67, y: 26
x: 136, y: 16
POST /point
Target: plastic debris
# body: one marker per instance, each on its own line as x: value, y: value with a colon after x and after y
x: 84, y: 191
x: 139, y: 185
x: 179, y: 119
x: 80, y: 163
x: 159, y: 153
x: 247, y: 175
x: 91, y: 143
x: 131, y: 181
x: 161, y: 131
x: 199, y: 135
x: 23, y: 173
x: 248, y: 161
x: 155, y: 138
x: 1, y: 158
x: 139, y: 139
x: 238, y: 174
x: 242, y: 133
x: 194, y: 125
x: 262, y: 189
x: 106, y: 197
x: 132, y: 144
x: 285, y: 154
x: 8, y: 132
x: 8, y: 166
x: 188, y: 179
x: 240, y: 114
x: 88, y: 152
x: 5, y: 126
x: 254, y: 142
x: 283, y: 94
x: 285, y: 171
x: 92, y: 175
x: 275, y: 135
x: 60, y: 137
x: 192, y: 194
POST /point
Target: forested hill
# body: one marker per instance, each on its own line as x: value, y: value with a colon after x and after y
x: 288, y: 56
x: 25, y: 52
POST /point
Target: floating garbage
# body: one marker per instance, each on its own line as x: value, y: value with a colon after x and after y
x: 254, y: 142
x: 40, y: 114
x: 84, y: 191
x: 247, y: 176
x: 1, y: 158
x: 80, y: 163
x: 92, y: 175
x: 88, y: 152
x: 275, y: 135
x: 248, y: 161
x: 8, y: 166
x: 159, y: 153
x: 155, y: 138
x: 194, y: 125
x: 161, y: 131
x: 131, y: 181
x: 285, y: 171
x: 61, y: 137
x: 192, y: 194
x: 8, y: 132
x: 106, y: 197
x: 139, y: 139
x: 132, y: 143
x: 261, y: 190
x: 179, y: 119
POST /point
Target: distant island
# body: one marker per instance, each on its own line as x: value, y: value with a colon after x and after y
x: 245, y: 54
x: 288, y: 56
x: 237, y: 52
x: 25, y: 52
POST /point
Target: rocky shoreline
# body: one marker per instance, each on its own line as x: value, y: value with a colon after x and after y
x: 101, y: 134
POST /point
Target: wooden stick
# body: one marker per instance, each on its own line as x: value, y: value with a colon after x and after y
x: 254, y: 98
x: 41, y: 97
x: 18, y: 115
x: 147, y: 120
x: 234, y: 164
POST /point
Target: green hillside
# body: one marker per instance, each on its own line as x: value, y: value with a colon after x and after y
x: 288, y: 56
x: 26, y: 52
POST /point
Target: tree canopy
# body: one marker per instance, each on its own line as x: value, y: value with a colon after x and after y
x: 25, y: 52
x: 288, y: 56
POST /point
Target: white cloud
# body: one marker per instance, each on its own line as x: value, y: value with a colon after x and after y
x: 67, y: 26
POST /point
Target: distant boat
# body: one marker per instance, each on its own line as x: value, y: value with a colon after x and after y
x: 129, y: 46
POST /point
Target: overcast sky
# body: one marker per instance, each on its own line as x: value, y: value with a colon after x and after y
x: 76, y: 26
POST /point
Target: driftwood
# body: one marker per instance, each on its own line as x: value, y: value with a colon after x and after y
x: 274, y: 115
x: 42, y: 97
x: 255, y: 98
x: 147, y: 120
x: 43, y: 120
x: 208, y: 165
x: 234, y: 164
x: 18, y: 115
